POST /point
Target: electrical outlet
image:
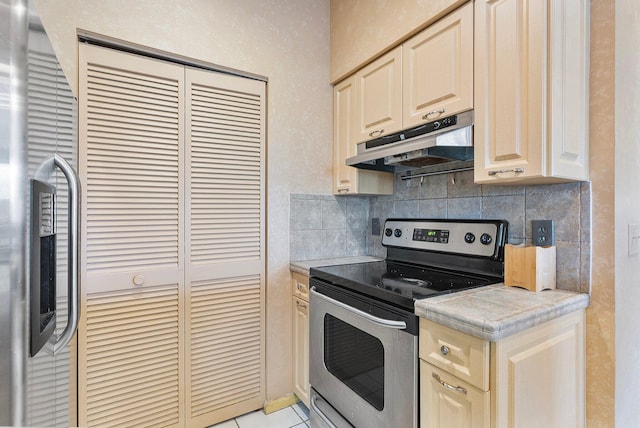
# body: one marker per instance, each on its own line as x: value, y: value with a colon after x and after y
x: 375, y: 226
x: 634, y: 239
x: 542, y: 233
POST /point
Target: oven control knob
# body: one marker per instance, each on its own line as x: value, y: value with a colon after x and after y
x: 397, y: 233
x: 388, y: 232
x: 485, y: 239
x: 469, y: 238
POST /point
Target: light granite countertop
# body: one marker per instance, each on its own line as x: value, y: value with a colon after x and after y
x: 496, y: 311
x: 304, y: 266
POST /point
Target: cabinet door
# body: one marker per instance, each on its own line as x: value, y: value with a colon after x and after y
x: 344, y: 177
x: 301, y: 349
x: 539, y: 375
x: 448, y: 402
x: 510, y: 89
x: 347, y: 179
x: 438, y: 69
x: 531, y: 91
x: 379, y: 97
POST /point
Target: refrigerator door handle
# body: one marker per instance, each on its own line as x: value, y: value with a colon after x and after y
x: 73, y: 295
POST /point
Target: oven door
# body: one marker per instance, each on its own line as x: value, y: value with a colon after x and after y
x: 362, y: 365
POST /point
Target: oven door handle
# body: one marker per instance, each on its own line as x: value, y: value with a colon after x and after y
x: 399, y: 325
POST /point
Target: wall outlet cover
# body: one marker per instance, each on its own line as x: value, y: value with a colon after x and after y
x: 375, y: 226
x: 542, y: 233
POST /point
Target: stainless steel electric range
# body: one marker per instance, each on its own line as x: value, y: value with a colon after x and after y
x: 363, y: 333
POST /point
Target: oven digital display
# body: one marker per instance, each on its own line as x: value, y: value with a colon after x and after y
x: 431, y: 235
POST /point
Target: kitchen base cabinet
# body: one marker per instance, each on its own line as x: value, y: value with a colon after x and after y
x: 300, y: 299
x: 536, y: 377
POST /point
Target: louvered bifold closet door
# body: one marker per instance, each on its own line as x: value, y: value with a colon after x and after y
x: 225, y: 246
x: 131, y: 151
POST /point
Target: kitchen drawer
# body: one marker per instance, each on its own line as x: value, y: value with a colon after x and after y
x: 459, y: 354
x: 300, y: 286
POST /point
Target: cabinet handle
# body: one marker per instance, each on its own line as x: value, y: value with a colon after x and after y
x: 446, y: 385
x: 376, y: 133
x: 444, y: 350
x: 502, y: 171
x: 426, y: 116
x: 344, y: 190
x: 300, y: 305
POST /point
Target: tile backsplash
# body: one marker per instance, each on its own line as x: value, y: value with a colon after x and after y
x: 325, y: 226
x: 333, y: 226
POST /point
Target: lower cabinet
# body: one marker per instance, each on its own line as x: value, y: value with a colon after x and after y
x: 535, y: 378
x: 300, y: 307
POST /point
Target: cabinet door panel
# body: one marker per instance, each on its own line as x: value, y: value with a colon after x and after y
x: 510, y: 89
x: 301, y: 349
x: 347, y: 179
x: 456, y: 404
x: 379, y: 103
x: 438, y: 69
x: 541, y: 368
x: 344, y: 177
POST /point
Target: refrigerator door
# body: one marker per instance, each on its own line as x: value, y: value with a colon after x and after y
x: 13, y: 214
x: 51, y: 138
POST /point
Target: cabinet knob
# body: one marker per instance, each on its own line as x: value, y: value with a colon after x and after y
x: 138, y: 280
x: 444, y: 350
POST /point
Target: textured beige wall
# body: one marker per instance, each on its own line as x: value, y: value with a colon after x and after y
x: 363, y: 29
x: 601, y: 346
x: 286, y: 41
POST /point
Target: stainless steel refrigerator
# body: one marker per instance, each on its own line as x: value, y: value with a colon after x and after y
x: 39, y: 200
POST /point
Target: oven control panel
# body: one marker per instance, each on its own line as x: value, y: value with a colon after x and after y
x: 468, y: 237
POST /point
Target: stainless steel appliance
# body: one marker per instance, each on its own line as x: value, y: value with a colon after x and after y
x: 363, y: 365
x: 38, y: 222
x: 447, y: 141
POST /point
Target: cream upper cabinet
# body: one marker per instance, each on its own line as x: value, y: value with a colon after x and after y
x: 533, y: 378
x: 379, y: 97
x: 438, y: 69
x: 347, y: 179
x: 531, y: 91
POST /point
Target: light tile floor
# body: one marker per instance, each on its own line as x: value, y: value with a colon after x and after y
x: 296, y: 416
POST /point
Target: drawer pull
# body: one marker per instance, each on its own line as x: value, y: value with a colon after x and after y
x: 376, y: 133
x: 426, y: 116
x: 503, y: 171
x: 300, y: 304
x: 446, y: 385
x: 444, y: 350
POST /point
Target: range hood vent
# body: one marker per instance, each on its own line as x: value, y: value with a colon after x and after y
x: 449, y: 139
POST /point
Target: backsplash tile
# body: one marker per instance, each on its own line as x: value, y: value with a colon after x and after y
x: 324, y: 226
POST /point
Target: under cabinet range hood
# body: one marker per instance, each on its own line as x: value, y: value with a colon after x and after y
x: 449, y: 139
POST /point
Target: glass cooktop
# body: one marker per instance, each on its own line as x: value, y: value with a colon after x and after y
x: 397, y: 283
